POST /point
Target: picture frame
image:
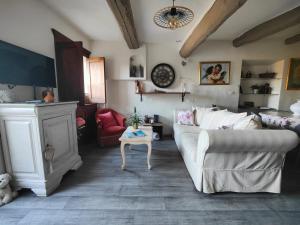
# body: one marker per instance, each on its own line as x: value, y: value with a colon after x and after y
x: 293, y: 77
x: 214, y: 73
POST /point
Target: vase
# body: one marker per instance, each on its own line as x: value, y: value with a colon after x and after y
x: 135, y: 125
x: 295, y: 108
x: 255, y: 91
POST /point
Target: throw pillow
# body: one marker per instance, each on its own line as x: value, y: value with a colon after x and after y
x: 247, y: 123
x: 211, y: 120
x: 107, y: 119
x: 185, y: 117
x: 199, y: 113
x: 230, y: 118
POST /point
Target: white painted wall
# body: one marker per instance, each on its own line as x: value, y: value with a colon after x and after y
x: 121, y: 94
x: 28, y: 24
x: 117, y: 56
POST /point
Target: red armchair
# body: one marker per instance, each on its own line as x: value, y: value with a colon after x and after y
x: 110, y: 126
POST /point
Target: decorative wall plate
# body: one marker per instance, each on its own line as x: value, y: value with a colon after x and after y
x: 163, y: 75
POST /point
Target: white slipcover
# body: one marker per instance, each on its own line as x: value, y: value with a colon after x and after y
x: 179, y: 129
x: 235, y: 160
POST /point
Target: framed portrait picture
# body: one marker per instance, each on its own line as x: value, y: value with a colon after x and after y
x: 214, y: 73
x: 293, y: 79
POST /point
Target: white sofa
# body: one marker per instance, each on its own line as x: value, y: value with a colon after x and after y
x: 236, y: 160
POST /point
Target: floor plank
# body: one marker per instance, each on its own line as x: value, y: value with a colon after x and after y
x: 101, y: 193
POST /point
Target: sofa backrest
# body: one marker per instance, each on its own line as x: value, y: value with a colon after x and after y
x: 198, y: 111
x: 212, y: 118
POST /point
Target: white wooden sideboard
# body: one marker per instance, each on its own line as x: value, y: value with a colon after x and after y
x: 2, y: 167
x: 39, y: 144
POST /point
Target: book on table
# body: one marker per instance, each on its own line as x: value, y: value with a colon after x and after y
x: 137, y: 133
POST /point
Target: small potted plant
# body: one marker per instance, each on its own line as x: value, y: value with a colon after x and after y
x: 135, y: 120
x: 255, y: 88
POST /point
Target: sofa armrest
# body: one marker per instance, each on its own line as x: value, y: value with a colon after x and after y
x: 246, y: 141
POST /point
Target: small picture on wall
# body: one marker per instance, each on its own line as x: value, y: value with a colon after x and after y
x: 293, y: 79
x: 214, y: 73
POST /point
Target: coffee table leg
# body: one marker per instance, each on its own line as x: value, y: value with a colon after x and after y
x: 149, y: 155
x: 123, y: 155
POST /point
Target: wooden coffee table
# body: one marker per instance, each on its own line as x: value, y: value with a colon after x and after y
x: 147, y: 139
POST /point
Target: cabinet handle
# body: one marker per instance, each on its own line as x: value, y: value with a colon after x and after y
x: 49, y: 152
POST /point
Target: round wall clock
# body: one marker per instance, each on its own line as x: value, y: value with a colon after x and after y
x: 163, y: 75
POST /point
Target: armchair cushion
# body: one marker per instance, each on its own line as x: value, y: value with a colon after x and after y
x: 112, y: 130
x: 121, y: 120
x: 107, y: 120
x: 80, y: 122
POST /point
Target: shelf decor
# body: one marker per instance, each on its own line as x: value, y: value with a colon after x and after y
x: 267, y: 75
x: 293, y: 80
x: 214, y: 73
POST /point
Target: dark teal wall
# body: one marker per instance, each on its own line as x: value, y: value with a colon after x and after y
x: 23, y: 67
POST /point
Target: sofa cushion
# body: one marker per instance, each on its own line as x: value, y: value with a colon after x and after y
x: 113, y: 130
x: 222, y: 118
x: 230, y: 118
x: 199, y: 113
x: 180, y: 129
x: 211, y: 120
x: 107, y: 119
x: 246, y: 123
x: 185, y: 117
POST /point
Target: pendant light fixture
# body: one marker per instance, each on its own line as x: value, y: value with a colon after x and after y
x: 173, y: 17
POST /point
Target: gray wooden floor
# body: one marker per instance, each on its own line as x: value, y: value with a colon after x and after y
x: 100, y: 193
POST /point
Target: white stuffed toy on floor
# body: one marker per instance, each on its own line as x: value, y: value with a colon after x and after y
x: 6, y: 194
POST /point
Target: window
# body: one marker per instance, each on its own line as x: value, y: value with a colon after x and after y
x: 94, y: 79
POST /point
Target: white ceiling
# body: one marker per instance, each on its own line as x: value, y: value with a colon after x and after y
x: 94, y: 18
x: 148, y: 31
x: 252, y: 13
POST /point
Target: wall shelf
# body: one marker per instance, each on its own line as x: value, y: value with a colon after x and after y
x: 259, y: 78
x: 257, y: 94
x: 163, y: 93
x: 261, y: 71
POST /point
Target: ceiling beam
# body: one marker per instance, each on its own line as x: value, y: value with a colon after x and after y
x: 220, y: 11
x: 269, y: 27
x: 292, y: 40
x: 123, y: 13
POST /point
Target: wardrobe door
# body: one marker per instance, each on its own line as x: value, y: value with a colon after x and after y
x: 69, y: 63
x: 69, y: 67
